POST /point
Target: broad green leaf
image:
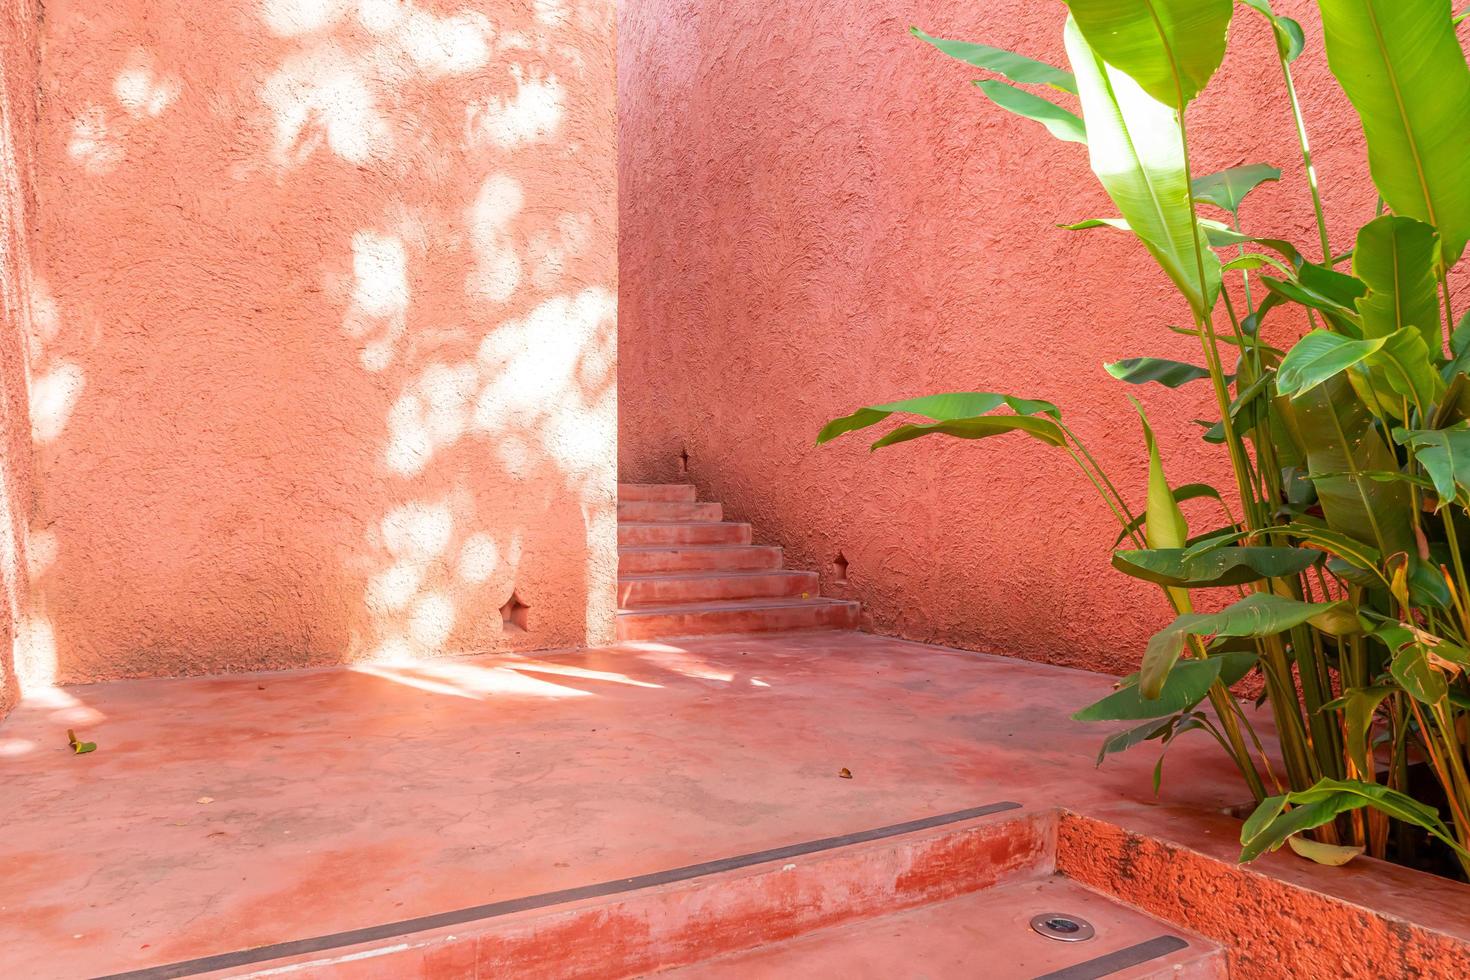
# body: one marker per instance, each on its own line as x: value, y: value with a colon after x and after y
x: 1396, y: 258
x: 1358, y: 706
x: 79, y: 747
x: 1135, y: 149
x: 1328, y: 855
x: 1165, y: 526
x: 1459, y: 350
x: 1258, y: 614
x: 1289, y: 37
x: 979, y: 428
x: 1270, y: 826
x: 940, y: 408
x: 1404, y: 71
x: 1125, y: 740
x: 1059, y: 122
x: 1337, y: 433
x: 1169, y: 47
x: 1142, y: 370
x: 1220, y: 236
x: 1186, y: 687
x: 1405, y: 363
x: 1189, y: 491
x: 1410, y: 665
x: 1445, y: 456
x: 1228, y: 188
x: 1016, y: 67
x: 1181, y: 568
x: 1318, y: 356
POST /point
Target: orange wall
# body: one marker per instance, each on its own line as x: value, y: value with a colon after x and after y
x: 18, y: 73
x: 325, y: 345
x: 819, y: 212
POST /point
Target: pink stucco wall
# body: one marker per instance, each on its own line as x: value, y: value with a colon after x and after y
x: 19, y: 59
x: 819, y: 212
x: 325, y: 347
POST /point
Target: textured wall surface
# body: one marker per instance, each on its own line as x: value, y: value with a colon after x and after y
x: 19, y: 59
x: 819, y: 212
x: 324, y: 365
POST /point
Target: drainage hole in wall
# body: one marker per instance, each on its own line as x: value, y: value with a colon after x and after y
x: 513, y: 615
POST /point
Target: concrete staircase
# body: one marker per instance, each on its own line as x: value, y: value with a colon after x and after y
x: 685, y: 571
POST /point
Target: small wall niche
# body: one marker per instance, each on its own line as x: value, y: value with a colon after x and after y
x: 684, y: 460
x: 837, y: 569
x: 514, y: 615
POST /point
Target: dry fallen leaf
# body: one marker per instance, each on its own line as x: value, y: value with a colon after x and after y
x: 205, y: 799
x: 844, y: 773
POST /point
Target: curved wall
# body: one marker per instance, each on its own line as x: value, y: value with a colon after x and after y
x: 819, y: 212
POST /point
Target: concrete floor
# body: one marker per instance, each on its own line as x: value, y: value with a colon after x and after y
x: 227, y: 812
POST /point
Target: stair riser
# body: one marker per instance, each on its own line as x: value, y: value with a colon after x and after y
x: 634, y: 933
x: 751, y: 559
x: 648, y: 626
x: 630, y: 492
x: 655, y: 511
x: 664, y: 591
x: 675, y: 535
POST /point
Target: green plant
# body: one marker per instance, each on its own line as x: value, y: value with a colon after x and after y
x: 1350, y: 448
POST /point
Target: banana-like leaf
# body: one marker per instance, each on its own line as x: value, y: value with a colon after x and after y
x: 1219, y: 236
x: 1059, y: 122
x: 1189, y: 491
x: 1318, y: 356
x: 1405, y: 362
x: 1290, y: 41
x: 1142, y: 370
x: 1186, y: 687
x: 1337, y: 434
x: 1135, y: 149
x: 1404, y: 71
x: 1228, y: 188
x: 1016, y: 67
x: 1399, y: 362
x: 1258, y: 614
x: 1358, y: 705
x: 1445, y: 456
x: 1396, y: 259
x: 941, y: 408
x: 1171, y: 48
x: 1271, y: 824
x: 1334, y: 293
x: 1165, y: 526
x: 1327, y: 855
x: 979, y: 428
x: 1185, y: 568
x: 1125, y: 740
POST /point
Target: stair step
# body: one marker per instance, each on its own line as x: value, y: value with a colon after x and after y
x: 711, y: 558
x: 656, y: 491
x: 665, y: 511
x: 982, y: 934
x: 740, y: 616
x: 663, y: 590
x: 672, y: 534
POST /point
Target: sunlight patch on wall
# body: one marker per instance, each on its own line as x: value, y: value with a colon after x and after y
x: 53, y: 396
x: 92, y: 143
x: 141, y: 91
x: 533, y: 113
x: 380, y: 296
x: 498, y: 270
x: 330, y: 94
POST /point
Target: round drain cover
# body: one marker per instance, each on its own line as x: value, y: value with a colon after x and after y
x: 1062, y: 927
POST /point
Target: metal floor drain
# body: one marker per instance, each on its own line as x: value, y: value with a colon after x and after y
x: 1063, y: 928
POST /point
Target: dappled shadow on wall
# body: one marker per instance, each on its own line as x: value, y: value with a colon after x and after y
x: 327, y: 367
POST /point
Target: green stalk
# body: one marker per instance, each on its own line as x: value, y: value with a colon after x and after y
x: 1301, y: 134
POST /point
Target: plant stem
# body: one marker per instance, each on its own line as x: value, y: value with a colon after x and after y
x: 1301, y: 134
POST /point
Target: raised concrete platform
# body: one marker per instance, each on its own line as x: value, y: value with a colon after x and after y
x: 619, y: 811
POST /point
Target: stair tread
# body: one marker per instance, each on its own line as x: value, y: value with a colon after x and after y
x: 704, y: 574
x: 988, y: 928
x: 680, y: 523
x: 641, y: 548
x: 728, y: 605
